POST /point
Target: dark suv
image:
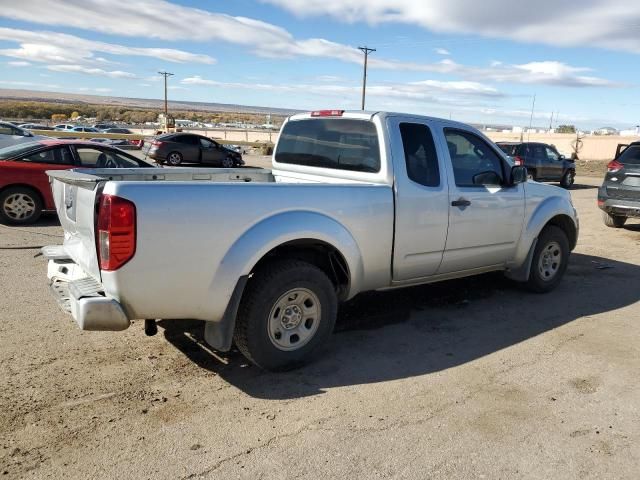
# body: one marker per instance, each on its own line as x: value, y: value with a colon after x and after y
x: 543, y: 161
x: 619, y: 195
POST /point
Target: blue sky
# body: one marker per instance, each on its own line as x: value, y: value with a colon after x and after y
x: 473, y: 61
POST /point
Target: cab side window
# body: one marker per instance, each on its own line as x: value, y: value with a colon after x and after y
x: 420, y: 154
x: 471, y: 156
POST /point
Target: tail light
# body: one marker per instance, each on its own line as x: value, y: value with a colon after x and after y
x: 518, y: 161
x: 614, y: 165
x: 156, y: 143
x: 327, y: 113
x: 600, y: 203
x: 115, y: 232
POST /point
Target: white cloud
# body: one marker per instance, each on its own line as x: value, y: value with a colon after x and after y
x: 442, y: 51
x: 163, y: 20
x: 609, y: 24
x: 426, y: 90
x: 15, y: 83
x: 18, y: 63
x: 52, y: 47
x: 91, y: 71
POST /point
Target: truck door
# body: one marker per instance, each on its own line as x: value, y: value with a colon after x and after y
x: 422, y: 200
x: 485, y: 216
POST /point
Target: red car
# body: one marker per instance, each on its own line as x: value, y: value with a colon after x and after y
x: 24, y: 186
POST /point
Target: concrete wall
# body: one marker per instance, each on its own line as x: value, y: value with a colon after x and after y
x: 593, y: 147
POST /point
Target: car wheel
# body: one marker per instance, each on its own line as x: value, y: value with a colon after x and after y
x: 613, y: 221
x: 568, y: 179
x: 228, y: 162
x: 550, y: 260
x: 287, y: 312
x: 20, y: 206
x: 174, y: 159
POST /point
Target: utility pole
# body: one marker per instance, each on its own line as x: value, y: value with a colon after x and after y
x: 165, y: 75
x: 366, y: 51
x: 533, y: 106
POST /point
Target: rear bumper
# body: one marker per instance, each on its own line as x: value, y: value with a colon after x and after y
x: 82, y: 296
x: 616, y: 206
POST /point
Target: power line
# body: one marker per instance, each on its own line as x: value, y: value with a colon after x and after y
x: 165, y: 75
x: 366, y: 51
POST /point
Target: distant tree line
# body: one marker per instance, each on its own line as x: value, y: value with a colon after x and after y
x: 60, y: 112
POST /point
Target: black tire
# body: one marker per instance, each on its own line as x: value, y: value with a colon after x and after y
x: 265, y: 290
x: 174, y: 159
x: 567, y: 179
x: 613, y: 221
x: 20, y: 206
x: 550, y: 240
x: 229, y: 161
x: 531, y: 174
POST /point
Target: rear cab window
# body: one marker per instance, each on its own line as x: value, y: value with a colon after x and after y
x: 337, y: 143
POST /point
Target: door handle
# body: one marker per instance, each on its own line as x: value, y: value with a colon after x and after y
x: 461, y: 202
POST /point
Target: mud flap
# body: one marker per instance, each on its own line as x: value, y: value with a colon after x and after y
x: 219, y: 334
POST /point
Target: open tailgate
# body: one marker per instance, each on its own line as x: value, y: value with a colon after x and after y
x: 75, y: 195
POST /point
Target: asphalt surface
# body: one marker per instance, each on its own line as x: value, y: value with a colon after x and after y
x: 467, y: 379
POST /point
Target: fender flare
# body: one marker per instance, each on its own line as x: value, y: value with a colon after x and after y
x: 239, y: 261
x: 549, y: 209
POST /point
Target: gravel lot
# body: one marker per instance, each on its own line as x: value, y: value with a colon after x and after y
x: 467, y: 379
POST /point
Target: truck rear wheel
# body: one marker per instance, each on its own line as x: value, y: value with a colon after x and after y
x: 287, y: 312
x: 550, y: 260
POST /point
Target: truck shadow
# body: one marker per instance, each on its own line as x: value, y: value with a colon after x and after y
x: 421, y: 330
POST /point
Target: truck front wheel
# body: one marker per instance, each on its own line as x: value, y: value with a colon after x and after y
x: 550, y: 260
x: 287, y: 312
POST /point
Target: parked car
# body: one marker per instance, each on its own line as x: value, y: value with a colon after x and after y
x: 11, y: 134
x: 103, y: 126
x: 355, y: 201
x: 178, y: 148
x: 116, y: 130
x: 85, y: 129
x: 543, y: 162
x: 120, y: 143
x: 619, y: 195
x: 35, y: 126
x: 24, y: 186
x: 64, y: 127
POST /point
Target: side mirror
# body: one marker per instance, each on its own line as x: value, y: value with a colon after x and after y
x: 562, y: 157
x: 487, y: 178
x: 518, y: 174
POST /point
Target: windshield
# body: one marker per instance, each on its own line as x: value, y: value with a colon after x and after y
x: 17, y: 150
x: 631, y: 155
x: 342, y: 144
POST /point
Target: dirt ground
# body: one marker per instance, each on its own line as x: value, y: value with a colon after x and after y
x: 466, y: 379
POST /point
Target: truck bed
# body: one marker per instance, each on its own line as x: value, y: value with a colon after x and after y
x: 196, y: 226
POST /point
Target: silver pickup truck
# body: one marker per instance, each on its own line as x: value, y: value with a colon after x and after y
x: 355, y: 201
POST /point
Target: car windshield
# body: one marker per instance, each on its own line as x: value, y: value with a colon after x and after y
x: 631, y: 155
x: 343, y: 144
x: 17, y: 150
